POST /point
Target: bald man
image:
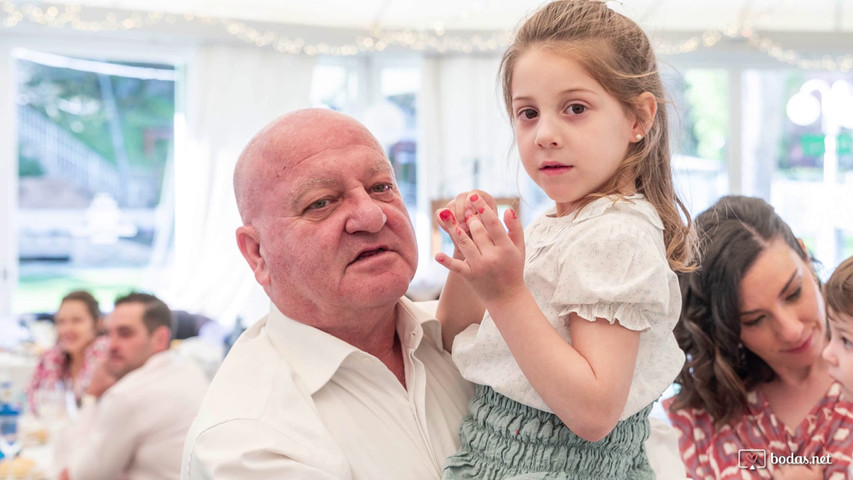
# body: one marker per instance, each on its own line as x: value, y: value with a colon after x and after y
x: 344, y: 378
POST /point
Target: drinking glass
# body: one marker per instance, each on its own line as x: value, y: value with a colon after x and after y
x: 10, y: 444
x: 52, y: 405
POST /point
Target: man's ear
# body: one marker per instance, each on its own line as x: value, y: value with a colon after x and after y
x: 646, y: 107
x: 249, y: 243
x: 162, y: 337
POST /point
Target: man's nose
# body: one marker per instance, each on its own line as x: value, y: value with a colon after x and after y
x: 365, y: 214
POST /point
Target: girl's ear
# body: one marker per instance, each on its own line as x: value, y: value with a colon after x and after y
x: 646, y: 107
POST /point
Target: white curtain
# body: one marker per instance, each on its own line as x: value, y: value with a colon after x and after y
x: 465, y: 125
x: 8, y: 180
x: 463, y: 129
x: 231, y: 93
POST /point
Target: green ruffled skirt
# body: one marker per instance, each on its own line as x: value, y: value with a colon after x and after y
x: 504, y: 439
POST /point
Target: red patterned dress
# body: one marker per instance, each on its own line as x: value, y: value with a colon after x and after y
x: 53, y: 367
x: 713, y: 455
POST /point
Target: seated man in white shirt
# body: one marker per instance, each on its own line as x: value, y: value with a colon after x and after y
x: 344, y: 378
x: 135, y: 429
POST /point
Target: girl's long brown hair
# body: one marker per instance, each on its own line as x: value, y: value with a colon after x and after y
x: 616, y: 52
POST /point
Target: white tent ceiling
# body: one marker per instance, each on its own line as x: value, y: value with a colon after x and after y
x: 828, y: 16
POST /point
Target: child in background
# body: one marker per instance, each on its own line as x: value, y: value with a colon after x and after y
x: 838, y: 294
x: 576, y: 342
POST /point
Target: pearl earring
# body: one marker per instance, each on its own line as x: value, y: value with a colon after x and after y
x: 638, y: 137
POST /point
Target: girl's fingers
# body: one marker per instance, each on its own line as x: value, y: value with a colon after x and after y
x: 463, y: 243
x: 514, y: 229
x: 488, y: 219
x: 454, y: 265
x: 462, y: 210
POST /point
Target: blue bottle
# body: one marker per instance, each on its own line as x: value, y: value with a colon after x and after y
x: 9, y: 415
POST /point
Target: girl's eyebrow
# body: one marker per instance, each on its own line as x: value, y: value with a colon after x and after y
x: 563, y: 92
x: 781, y: 293
x: 836, y: 322
x: 839, y: 329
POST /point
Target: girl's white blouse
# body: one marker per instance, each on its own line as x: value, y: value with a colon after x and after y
x: 607, y: 261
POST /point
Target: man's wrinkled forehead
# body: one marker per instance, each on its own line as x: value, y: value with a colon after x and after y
x: 306, y: 138
x: 306, y: 178
x: 292, y: 142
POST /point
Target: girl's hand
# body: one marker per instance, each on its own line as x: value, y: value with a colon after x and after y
x: 799, y: 472
x: 462, y: 209
x: 493, y: 263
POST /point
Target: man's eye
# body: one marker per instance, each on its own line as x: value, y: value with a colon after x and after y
x: 383, y: 187
x: 316, y: 205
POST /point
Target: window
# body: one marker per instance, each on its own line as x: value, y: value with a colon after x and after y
x: 94, y: 147
x: 799, y: 144
x: 700, y: 126
x: 382, y: 93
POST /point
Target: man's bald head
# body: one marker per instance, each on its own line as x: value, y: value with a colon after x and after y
x: 289, y: 139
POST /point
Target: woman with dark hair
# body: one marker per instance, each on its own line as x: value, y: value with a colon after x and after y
x: 755, y: 388
x: 79, y: 347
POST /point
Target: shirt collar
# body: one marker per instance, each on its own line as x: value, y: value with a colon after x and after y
x: 315, y: 356
x: 600, y: 205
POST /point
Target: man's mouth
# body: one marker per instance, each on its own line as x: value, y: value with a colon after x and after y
x: 369, y: 253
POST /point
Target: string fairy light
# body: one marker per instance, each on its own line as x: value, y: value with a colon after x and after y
x: 438, y: 39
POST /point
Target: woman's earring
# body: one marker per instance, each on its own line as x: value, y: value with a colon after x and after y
x: 638, y: 137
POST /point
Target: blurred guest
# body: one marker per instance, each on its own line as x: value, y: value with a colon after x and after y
x: 135, y: 429
x: 79, y: 346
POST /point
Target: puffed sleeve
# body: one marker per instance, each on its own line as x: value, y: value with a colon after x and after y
x: 617, y: 271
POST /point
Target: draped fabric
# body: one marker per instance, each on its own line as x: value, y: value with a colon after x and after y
x: 231, y: 93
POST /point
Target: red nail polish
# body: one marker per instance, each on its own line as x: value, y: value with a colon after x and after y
x: 481, y: 209
x: 444, y: 214
x: 474, y: 197
x: 512, y: 212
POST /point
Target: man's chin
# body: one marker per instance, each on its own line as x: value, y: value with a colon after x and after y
x: 116, y: 370
x: 377, y: 291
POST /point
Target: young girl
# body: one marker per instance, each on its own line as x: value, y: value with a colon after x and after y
x: 838, y: 294
x: 577, y: 340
